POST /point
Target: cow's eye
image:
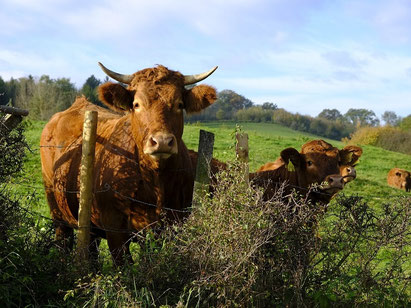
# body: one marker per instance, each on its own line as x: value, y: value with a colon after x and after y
x: 136, y: 105
x: 309, y: 163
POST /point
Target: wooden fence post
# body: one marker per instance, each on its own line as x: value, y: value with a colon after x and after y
x: 86, y: 183
x: 205, y: 154
x: 241, y: 149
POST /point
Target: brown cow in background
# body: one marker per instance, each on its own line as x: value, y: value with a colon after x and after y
x: 351, y: 154
x: 399, y: 178
x: 316, y: 165
x: 142, y: 167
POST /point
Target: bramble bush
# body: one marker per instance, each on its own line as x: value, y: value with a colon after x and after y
x: 236, y: 249
x: 31, y: 271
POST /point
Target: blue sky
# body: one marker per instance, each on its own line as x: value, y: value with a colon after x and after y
x: 304, y: 56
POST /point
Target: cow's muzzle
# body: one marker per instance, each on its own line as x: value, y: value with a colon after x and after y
x: 334, y: 183
x: 349, y: 174
x: 161, y: 146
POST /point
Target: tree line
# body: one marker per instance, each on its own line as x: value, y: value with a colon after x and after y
x: 329, y: 123
x: 45, y: 96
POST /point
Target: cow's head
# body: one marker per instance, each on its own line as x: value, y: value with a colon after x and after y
x: 156, y: 98
x: 402, y: 179
x: 320, y: 168
x: 349, y: 156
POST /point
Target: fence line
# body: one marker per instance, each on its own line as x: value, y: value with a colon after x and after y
x: 107, y: 187
x: 188, y: 210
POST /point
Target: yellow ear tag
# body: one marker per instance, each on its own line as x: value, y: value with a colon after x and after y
x: 290, y: 166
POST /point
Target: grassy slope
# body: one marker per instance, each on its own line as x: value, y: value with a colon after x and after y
x: 267, y: 140
x: 265, y: 144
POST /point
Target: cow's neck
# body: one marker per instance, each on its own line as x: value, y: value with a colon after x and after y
x: 156, y: 176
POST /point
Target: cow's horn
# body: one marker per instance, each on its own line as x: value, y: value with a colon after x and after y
x: 190, y: 79
x: 116, y: 76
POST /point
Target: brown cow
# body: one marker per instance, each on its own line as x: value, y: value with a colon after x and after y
x: 301, y: 170
x: 142, y: 168
x: 399, y: 178
x: 310, y: 168
x: 351, y: 153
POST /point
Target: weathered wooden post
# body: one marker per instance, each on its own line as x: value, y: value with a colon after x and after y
x: 13, y: 117
x: 205, y: 154
x: 86, y: 183
x: 241, y: 149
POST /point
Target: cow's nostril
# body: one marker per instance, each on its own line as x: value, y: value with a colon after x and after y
x: 153, y: 141
x: 330, y: 180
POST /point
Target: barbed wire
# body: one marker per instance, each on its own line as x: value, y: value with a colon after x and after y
x: 107, y: 186
x: 106, y: 147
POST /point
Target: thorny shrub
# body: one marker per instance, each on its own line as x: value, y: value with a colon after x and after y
x: 31, y: 267
x: 237, y: 250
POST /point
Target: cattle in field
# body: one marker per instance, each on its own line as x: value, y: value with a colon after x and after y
x: 302, y: 170
x: 299, y: 170
x: 399, y: 178
x: 142, y: 170
x: 351, y: 154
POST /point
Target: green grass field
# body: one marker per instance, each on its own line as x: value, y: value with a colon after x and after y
x: 265, y: 144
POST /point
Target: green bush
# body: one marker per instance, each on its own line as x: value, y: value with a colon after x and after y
x: 31, y: 267
x: 386, y: 137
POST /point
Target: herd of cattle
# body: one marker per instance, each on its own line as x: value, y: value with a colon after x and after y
x: 143, y: 170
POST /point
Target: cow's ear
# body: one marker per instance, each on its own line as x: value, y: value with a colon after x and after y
x: 291, y: 158
x: 115, y: 96
x: 199, y: 98
x: 350, y: 155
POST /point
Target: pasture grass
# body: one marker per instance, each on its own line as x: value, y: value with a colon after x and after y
x: 266, y: 141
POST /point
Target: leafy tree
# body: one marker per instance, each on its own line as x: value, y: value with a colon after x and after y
x: 11, y: 90
x: 45, y: 96
x: 362, y: 117
x: 89, y: 90
x: 283, y: 117
x: 269, y: 106
x: 330, y: 114
x: 3, y: 92
x: 224, y: 108
x: 390, y: 118
x: 254, y: 114
x: 229, y: 102
x: 406, y: 123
